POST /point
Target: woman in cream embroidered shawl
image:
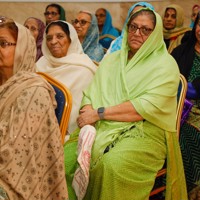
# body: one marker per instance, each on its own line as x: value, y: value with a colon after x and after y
x: 136, y: 128
x: 173, y: 26
x: 31, y: 153
x: 73, y: 68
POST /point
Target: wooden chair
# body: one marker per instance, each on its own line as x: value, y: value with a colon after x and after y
x: 64, y: 103
x: 107, y: 36
x: 182, y: 89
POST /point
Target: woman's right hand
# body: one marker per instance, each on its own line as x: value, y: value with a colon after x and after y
x: 87, y: 116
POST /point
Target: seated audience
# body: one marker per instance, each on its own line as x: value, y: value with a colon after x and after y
x: 88, y: 34
x: 104, y: 20
x: 65, y: 60
x: 116, y: 44
x: 173, y: 26
x: 195, y: 10
x: 135, y: 130
x: 37, y: 27
x: 54, y: 12
x: 31, y: 153
x: 187, y: 56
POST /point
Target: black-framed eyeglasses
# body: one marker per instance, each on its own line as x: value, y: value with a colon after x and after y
x: 82, y: 22
x: 4, y: 44
x: 100, y: 15
x: 50, y: 13
x: 144, y: 31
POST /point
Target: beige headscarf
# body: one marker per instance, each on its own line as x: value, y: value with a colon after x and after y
x: 31, y: 153
x: 175, y: 35
x: 75, y: 71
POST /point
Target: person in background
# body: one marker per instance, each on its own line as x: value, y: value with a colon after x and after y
x: 195, y: 10
x: 88, y: 34
x: 37, y: 27
x: 31, y: 152
x: 135, y: 131
x: 173, y: 26
x: 54, y: 12
x: 187, y: 56
x: 116, y: 44
x: 104, y: 20
x: 65, y: 60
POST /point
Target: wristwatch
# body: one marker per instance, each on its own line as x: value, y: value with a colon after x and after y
x: 100, y: 112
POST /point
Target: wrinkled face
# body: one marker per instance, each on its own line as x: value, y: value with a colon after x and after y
x: 169, y: 20
x: 138, y: 32
x: 57, y: 41
x: 32, y: 25
x: 101, y: 17
x: 7, y: 52
x: 194, y: 13
x: 82, y: 28
x: 197, y: 32
x: 51, y: 14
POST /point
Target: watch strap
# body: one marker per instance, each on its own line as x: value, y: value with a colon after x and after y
x: 100, y: 112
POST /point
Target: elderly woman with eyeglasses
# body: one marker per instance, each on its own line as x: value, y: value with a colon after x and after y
x: 31, y: 153
x: 36, y: 27
x: 54, y: 12
x: 132, y: 104
x: 88, y: 34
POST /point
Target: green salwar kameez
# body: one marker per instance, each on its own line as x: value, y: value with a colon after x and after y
x: 126, y: 156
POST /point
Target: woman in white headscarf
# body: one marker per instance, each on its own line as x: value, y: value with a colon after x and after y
x: 65, y: 60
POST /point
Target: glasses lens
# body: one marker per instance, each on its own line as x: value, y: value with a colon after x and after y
x: 82, y: 22
x: 145, y: 31
x: 132, y: 28
x: 76, y: 21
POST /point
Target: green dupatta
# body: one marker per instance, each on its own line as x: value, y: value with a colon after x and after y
x: 149, y: 80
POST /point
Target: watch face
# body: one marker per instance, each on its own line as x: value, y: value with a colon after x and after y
x: 101, y: 110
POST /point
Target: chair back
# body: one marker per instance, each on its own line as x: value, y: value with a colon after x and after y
x: 181, y: 95
x: 64, y: 103
x: 107, y: 36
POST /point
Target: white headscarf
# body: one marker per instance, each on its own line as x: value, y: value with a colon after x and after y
x: 75, y: 71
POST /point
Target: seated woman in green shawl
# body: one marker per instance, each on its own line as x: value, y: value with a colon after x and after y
x: 132, y: 105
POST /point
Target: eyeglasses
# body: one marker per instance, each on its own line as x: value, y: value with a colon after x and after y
x: 82, y: 22
x: 50, y: 13
x: 144, y: 31
x: 4, y: 44
x: 100, y: 15
x: 32, y: 28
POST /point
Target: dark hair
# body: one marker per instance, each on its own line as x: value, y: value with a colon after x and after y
x: 55, y: 6
x: 10, y: 25
x: 144, y: 11
x: 63, y: 25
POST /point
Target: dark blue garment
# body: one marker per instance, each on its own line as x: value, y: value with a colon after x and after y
x: 108, y: 29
